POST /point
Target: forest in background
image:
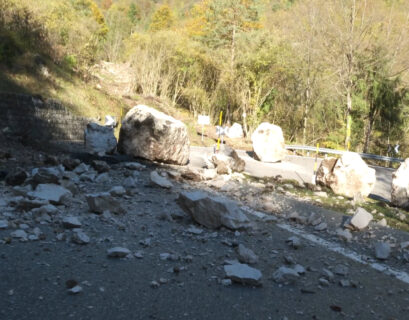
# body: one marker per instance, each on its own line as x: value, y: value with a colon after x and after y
x: 329, y: 72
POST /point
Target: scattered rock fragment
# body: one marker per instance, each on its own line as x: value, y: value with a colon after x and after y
x: 382, y: 250
x: 129, y: 183
x: 75, y: 290
x: 360, y: 219
x: 52, y: 193
x: 294, y: 242
x: 212, y: 212
x: 19, y: 234
x: 117, y: 191
x: 79, y: 237
x: 321, y: 227
x: 285, y: 274
x: 118, y: 252
x: 16, y: 177
x: 4, y: 224
x: 341, y: 270
x: 46, y: 175
x: 242, y: 273
x: 134, y: 166
x: 382, y: 222
x: 100, y: 202
x: 100, y: 166
x: 246, y: 255
x: 71, y: 222
x: 344, y: 234
x: 194, y: 230
x: 160, y: 181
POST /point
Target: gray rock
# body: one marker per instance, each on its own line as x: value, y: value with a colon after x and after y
x: 52, y: 193
x: 22, y: 190
x: 344, y: 234
x: 100, y: 202
x: 25, y: 204
x: 75, y: 290
x: 46, y: 175
x: 341, y: 270
x: 194, y: 230
x: 81, y: 168
x: 103, y: 178
x: 160, y: 181
x: 88, y: 176
x: 294, y: 242
x: 19, y: 234
x: 4, y: 224
x: 117, y: 191
x: 285, y: 274
x: 321, y: 194
x: 404, y: 245
x: 100, y: 166
x: 134, y: 166
x: 344, y: 283
x: 99, y: 139
x: 70, y: 164
x: 382, y: 250
x: 327, y: 274
x: 242, y: 273
x: 321, y: 227
x: 16, y: 177
x: 323, y: 282
x: 70, y: 185
x: 79, y: 237
x: 382, y: 222
x: 226, y: 282
x: 71, y: 222
x: 360, y: 219
x: 226, y: 160
x: 246, y: 255
x: 118, y: 252
x: 129, y: 183
x: 46, y: 209
x: 213, y: 212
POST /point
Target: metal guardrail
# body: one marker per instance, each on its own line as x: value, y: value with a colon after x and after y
x: 332, y: 151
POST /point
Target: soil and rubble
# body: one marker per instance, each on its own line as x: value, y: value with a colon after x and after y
x: 114, y: 238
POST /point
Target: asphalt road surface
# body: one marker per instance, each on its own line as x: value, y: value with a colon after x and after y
x: 293, y: 167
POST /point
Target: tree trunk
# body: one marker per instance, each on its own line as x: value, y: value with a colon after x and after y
x: 349, y: 119
x: 368, y: 133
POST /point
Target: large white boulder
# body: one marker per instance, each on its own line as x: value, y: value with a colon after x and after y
x: 235, y: 131
x: 400, y: 186
x: 151, y: 134
x: 348, y: 175
x: 268, y: 143
x: 99, y: 139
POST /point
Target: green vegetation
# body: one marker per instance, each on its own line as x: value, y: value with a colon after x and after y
x: 333, y: 72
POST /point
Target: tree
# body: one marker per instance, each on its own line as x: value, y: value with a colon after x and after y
x: 134, y: 14
x: 162, y: 19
